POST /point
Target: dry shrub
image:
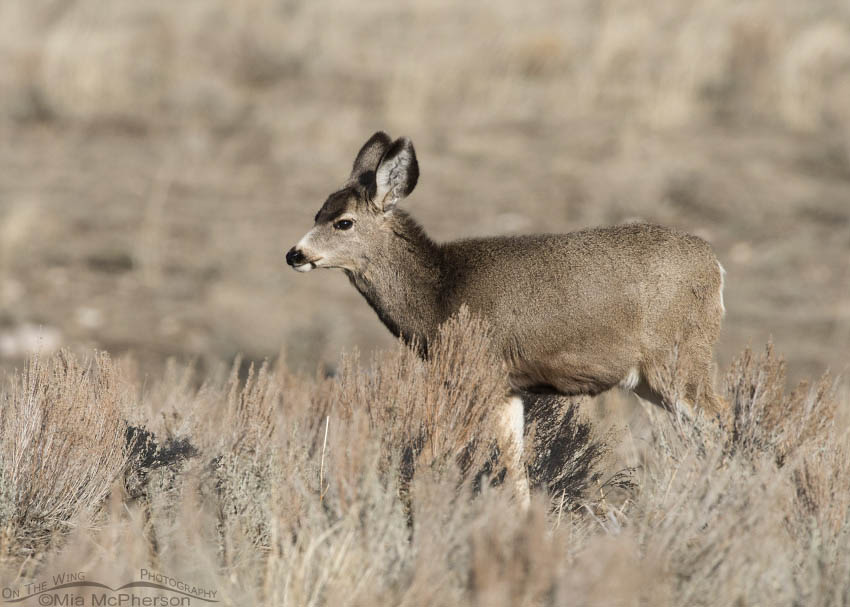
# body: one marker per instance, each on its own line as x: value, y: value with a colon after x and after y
x: 373, y: 470
x: 821, y: 522
x: 299, y: 471
x: 62, y: 439
x: 245, y: 469
x: 359, y: 489
x: 752, y: 512
x: 822, y: 485
x: 433, y: 412
x: 764, y: 418
x: 698, y: 510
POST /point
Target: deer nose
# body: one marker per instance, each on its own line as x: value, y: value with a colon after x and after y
x: 294, y: 257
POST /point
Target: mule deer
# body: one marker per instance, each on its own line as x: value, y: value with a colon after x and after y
x: 571, y: 314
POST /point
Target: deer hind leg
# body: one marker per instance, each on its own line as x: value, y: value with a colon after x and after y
x: 511, y: 430
x: 682, y: 385
x: 700, y: 389
x: 698, y: 384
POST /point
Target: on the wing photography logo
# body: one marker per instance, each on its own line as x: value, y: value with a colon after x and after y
x: 152, y: 589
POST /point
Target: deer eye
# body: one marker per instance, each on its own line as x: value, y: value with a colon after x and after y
x: 343, y: 224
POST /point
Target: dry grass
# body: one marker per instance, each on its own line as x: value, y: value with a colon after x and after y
x: 365, y: 488
x: 157, y: 158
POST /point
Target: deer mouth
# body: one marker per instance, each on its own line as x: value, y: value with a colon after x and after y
x: 307, y: 265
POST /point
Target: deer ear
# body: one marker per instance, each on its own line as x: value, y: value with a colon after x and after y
x: 369, y: 156
x: 396, y: 175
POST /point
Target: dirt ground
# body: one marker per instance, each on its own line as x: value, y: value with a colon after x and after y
x: 147, y: 195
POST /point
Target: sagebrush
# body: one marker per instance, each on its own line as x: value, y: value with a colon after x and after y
x: 379, y: 485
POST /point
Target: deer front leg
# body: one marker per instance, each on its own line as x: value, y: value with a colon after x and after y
x: 511, y: 440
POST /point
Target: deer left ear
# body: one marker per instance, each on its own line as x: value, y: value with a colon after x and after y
x: 396, y: 175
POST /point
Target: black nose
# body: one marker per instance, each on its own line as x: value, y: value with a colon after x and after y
x: 294, y: 257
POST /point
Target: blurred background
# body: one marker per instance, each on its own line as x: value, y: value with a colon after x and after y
x: 158, y: 158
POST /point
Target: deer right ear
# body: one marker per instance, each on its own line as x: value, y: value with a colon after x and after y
x: 370, y: 155
x: 397, y: 174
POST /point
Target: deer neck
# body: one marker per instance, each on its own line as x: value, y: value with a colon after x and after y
x: 404, y: 282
